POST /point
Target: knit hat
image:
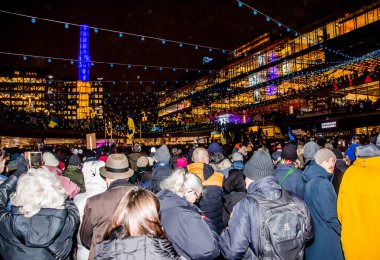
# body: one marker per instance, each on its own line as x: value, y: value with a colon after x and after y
x: 276, y: 156
x: 365, y: 151
x: 162, y: 154
x: 289, y: 152
x: 181, y: 162
x: 90, y: 156
x: 323, y: 154
x: 142, y: 161
x: 75, y: 160
x: 216, y: 158
x: 214, y: 148
x: 338, y: 153
x: 237, y: 157
x: 309, y: 150
x: 50, y: 159
x: 259, y: 166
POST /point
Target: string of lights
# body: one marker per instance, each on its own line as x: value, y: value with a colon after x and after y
x: 289, y: 29
x: 120, y: 34
x: 110, y: 64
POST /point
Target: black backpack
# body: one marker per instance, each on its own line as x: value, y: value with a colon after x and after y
x: 282, y: 228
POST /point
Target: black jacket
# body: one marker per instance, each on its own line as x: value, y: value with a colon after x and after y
x: 243, y: 230
x: 340, y: 168
x: 129, y: 248
x: 192, y: 235
x: 46, y: 235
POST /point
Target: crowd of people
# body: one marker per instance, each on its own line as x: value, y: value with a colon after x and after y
x: 283, y: 200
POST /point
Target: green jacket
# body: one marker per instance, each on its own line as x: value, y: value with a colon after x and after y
x: 76, y: 176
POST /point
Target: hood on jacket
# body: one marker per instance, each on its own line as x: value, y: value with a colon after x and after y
x: 266, y: 187
x: 169, y: 200
x: 39, y: 230
x: 313, y: 171
x: 91, y: 176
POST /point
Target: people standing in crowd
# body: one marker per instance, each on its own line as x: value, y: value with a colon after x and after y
x: 244, y: 236
x: 94, y: 184
x: 287, y: 173
x: 99, y: 209
x: 135, y: 231
x: 74, y: 173
x: 211, y: 202
x: 161, y: 169
x: 143, y: 172
x: 42, y: 222
x: 309, y: 151
x: 350, y: 152
x: 321, y: 198
x: 134, y: 156
x: 193, y: 235
x: 340, y: 167
x: 181, y: 163
x: 358, y: 205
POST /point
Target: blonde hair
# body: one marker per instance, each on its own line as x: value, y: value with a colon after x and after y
x: 180, y: 183
x: 37, y: 189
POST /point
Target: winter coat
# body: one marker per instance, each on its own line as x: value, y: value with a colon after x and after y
x: 75, y: 175
x: 211, y: 202
x: 350, y: 152
x: 242, y: 232
x: 340, y: 168
x: 71, y: 188
x: 99, y: 211
x: 135, y: 248
x: 192, y: 235
x: 161, y: 171
x: 46, y: 235
x: 294, y: 182
x: 321, y: 198
x: 358, y: 209
x: 95, y: 184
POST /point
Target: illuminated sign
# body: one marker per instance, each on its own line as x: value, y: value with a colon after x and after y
x: 328, y: 125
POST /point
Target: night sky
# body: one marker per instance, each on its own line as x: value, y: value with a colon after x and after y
x: 222, y: 24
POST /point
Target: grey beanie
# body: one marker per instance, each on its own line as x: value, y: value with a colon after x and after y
x: 75, y: 160
x: 259, y: 166
x: 162, y: 154
x: 309, y: 151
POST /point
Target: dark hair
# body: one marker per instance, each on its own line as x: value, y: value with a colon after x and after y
x: 137, y: 214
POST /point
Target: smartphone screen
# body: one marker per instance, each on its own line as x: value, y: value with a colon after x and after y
x: 35, y: 159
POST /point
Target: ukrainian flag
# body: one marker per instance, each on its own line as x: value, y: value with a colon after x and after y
x: 131, y: 128
x: 53, y: 122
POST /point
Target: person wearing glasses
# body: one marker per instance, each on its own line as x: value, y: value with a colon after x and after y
x: 192, y: 234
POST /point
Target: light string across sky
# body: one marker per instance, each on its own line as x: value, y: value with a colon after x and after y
x: 289, y: 29
x: 67, y: 25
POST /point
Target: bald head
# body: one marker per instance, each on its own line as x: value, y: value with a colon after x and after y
x: 200, y: 155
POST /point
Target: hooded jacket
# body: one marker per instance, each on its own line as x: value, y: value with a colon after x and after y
x: 294, y: 182
x: 161, y: 170
x: 242, y: 232
x: 192, y: 235
x: 71, y: 188
x: 143, y: 247
x: 359, y: 194
x: 46, y: 235
x: 211, y: 202
x: 321, y: 198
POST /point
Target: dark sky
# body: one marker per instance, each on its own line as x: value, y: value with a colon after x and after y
x: 218, y: 23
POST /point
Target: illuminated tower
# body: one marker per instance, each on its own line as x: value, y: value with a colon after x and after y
x: 83, y: 84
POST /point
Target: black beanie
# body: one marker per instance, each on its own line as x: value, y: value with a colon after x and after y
x: 338, y: 153
x: 289, y: 152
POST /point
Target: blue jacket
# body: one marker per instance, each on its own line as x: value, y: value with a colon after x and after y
x: 351, y: 151
x: 192, y: 235
x: 321, y: 198
x: 242, y: 232
x: 294, y: 183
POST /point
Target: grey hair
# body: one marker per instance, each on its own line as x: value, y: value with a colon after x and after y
x: 37, y: 189
x: 180, y: 183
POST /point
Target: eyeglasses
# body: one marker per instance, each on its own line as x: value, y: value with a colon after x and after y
x: 196, y: 195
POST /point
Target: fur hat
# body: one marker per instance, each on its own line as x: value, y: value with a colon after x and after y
x: 365, y: 151
x: 309, y: 150
x: 162, y: 154
x: 50, y: 159
x: 289, y: 152
x: 116, y: 167
x: 216, y: 158
x: 142, y: 161
x: 259, y: 166
x: 323, y: 154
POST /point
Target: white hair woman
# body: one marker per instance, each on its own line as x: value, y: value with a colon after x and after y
x: 193, y: 236
x: 42, y: 222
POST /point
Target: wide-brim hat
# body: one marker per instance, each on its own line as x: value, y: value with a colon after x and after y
x: 117, y: 167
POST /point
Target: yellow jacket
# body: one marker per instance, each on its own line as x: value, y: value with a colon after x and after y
x: 359, y: 209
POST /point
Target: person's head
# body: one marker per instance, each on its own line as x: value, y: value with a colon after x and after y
x: 116, y: 167
x: 326, y: 159
x: 142, y: 162
x: 200, y: 155
x: 289, y: 152
x: 243, y: 150
x: 184, y: 185
x: 38, y: 189
x: 75, y: 160
x: 329, y: 146
x: 181, y: 162
x: 162, y: 154
x: 355, y: 139
x: 50, y: 159
x: 136, y: 148
x: 91, y: 175
x: 259, y: 166
x: 137, y: 214
x: 309, y: 150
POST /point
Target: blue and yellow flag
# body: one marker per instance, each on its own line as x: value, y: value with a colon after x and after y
x: 131, y: 128
x: 53, y: 122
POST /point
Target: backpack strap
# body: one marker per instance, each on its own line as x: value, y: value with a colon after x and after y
x: 290, y: 171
